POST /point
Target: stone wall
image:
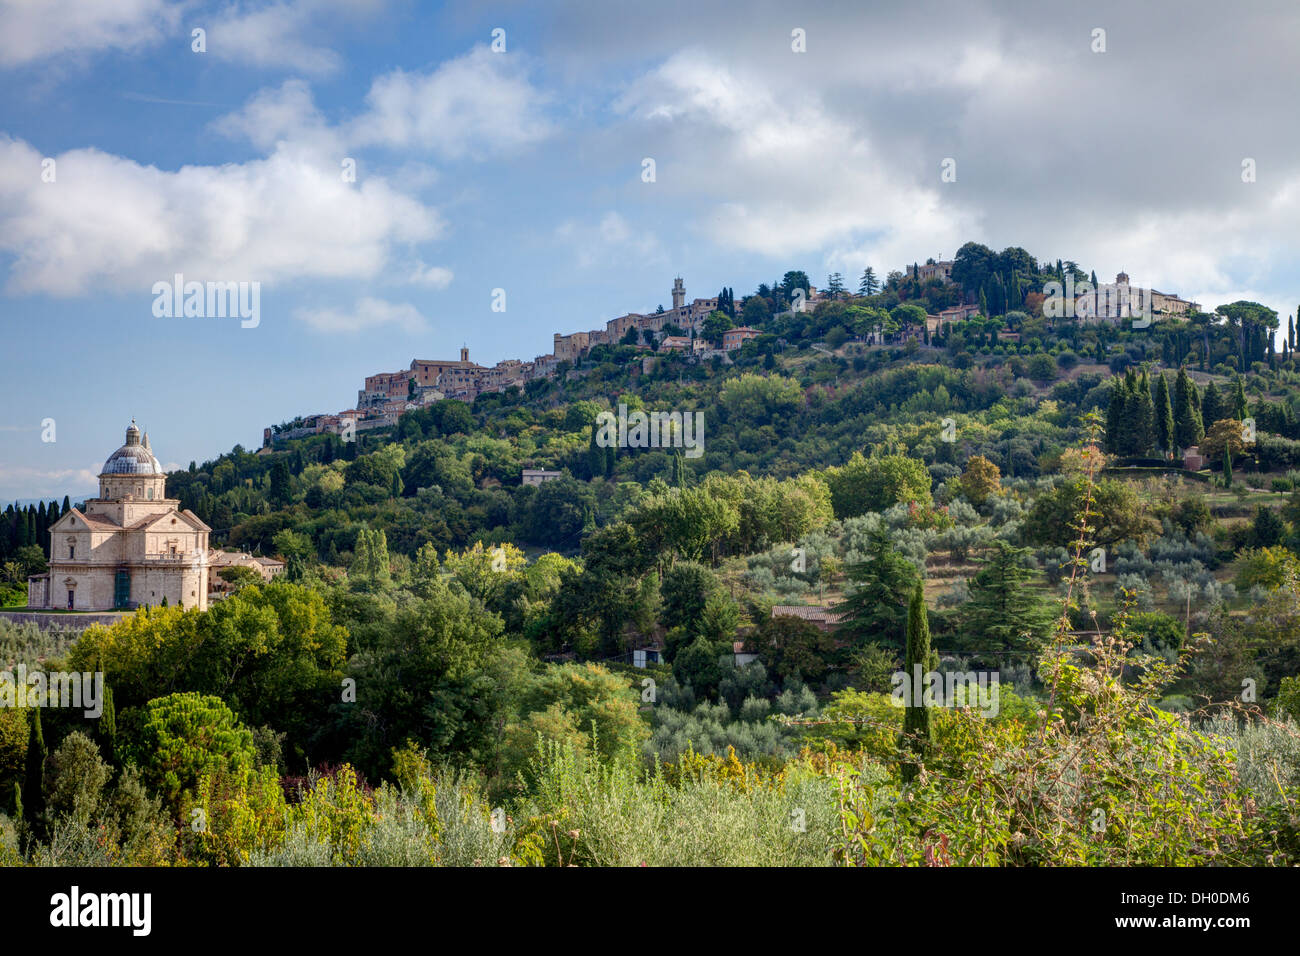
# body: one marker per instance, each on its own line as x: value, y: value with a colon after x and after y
x: 76, y: 621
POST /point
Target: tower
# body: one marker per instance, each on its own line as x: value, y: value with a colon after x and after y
x: 464, y: 353
x: 679, y: 293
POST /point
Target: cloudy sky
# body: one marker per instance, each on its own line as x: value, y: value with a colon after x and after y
x: 521, y: 170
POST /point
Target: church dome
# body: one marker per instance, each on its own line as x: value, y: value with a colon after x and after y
x: 133, y: 458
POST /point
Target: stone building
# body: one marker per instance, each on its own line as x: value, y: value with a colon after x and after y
x: 129, y: 547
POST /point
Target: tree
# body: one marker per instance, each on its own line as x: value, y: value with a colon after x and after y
x: 33, y: 792
x: 75, y: 785
x: 1188, y: 429
x: 1223, y: 437
x: 834, y: 285
x: 869, y: 285
x: 980, y: 481
x: 760, y: 399
x: 686, y: 589
x: 1267, y: 529
x: 1213, y: 407
x: 605, y: 708
x: 793, y: 649
x: 281, y: 492
x: 795, y: 279
x: 1004, y: 613
x: 1122, y: 515
x: 370, y: 562
x: 181, y: 738
x: 972, y: 266
x: 874, y: 484
x: 699, y: 665
x: 1164, y: 410
x: 272, y: 651
x: 716, y: 323
x: 918, y: 736
x: 874, y: 606
x: 436, y: 672
x: 1240, y: 408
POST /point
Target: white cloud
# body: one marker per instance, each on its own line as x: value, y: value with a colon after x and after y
x: 439, y: 277
x: 286, y: 114
x: 38, y: 482
x: 478, y: 103
x: 776, y: 172
x: 107, y: 220
x: 610, y: 241
x: 110, y: 221
x: 276, y: 35
x: 37, y: 29
x: 367, y: 314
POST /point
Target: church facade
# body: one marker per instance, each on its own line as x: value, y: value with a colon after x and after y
x: 132, y: 546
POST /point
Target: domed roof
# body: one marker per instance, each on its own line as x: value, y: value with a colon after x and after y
x: 133, y: 458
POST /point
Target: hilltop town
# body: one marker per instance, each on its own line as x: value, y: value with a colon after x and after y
x: 386, y: 396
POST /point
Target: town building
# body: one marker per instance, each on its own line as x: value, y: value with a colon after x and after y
x: 268, y: 569
x: 822, y: 618
x: 958, y: 313
x: 129, y: 547
x: 934, y: 270
x: 734, y: 338
x: 385, y: 396
x: 539, y: 476
x: 1113, y: 301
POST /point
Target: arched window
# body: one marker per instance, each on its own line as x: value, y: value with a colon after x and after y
x: 149, y: 494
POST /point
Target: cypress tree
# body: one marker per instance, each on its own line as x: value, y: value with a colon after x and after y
x: 67, y: 506
x: 1114, y: 415
x: 34, y: 776
x: 1212, y: 409
x: 595, y: 456
x: 1164, y: 415
x: 1187, y: 419
x: 1144, y: 416
x: 1239, y: 407
x: 18, y: 814
x: 918, y: 735
x: 1227, y: 467
x: 108, y: 725
x: 679, y: 469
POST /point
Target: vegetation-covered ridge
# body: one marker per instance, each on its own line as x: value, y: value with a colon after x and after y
x: 444, y: 674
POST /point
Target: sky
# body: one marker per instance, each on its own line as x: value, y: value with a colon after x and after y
x: 522, y: 168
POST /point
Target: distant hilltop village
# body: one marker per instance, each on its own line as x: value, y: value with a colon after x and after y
x: 1109, y: 301
x: 386, y: 395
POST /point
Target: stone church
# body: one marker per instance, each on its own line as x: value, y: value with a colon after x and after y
x: 129, y: 547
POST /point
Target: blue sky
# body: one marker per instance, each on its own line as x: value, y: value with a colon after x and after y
x: 521, y: 170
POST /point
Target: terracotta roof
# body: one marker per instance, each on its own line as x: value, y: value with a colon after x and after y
x: 806, y: 612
